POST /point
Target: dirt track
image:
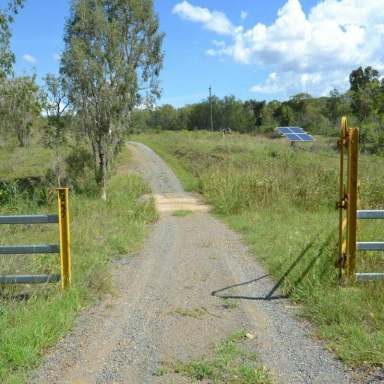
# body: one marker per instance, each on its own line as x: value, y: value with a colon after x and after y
x: 126, y: 337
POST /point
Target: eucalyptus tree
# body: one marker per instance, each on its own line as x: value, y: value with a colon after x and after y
x: 257, y: 108
x: 8, y: 10
x: 7, y: 58
x: 111, y: 62
x: 56, y: 108
x: 365, y: 84
x: 20, y: 106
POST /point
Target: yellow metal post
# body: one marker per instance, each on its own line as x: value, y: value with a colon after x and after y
x: 353, y: 142
x: 342, y: 198
x: 65, y: 251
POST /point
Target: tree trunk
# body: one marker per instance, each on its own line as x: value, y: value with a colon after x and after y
x: 58, y: 168
x: 23, y: 140
x: 100, y: 155
x: 103, y: 175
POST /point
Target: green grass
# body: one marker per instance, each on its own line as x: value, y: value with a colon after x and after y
x: 283, y: 202
x: 231, y: 363
x: 17, y: 162
x: 230, y: 304
x: 182, y: 213
x: 194, y: 313
x: 100, y: 232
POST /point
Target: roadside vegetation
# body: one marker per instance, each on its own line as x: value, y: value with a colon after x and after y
x: 182, y: 213
x: 35, y: 317
x: 231, y: 363
x: 282, y: 199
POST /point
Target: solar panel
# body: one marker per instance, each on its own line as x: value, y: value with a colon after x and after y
x: 305, y: 137
x: 297, y: 130
x: 294, y: 134
x: 284, y: 130
x: 292, y: 137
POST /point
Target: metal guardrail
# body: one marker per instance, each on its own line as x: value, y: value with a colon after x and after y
x: 29, y: 279
x: 63, y: 248
x: 29, y: 219
x: 28, y: 249
x: 370, y: 214
x: 370, y: 246
x: 369, y: 276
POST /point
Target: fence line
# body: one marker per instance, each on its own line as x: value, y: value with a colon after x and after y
x: 62, y: 219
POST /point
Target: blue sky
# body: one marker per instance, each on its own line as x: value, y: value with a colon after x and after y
x: 260, y: 49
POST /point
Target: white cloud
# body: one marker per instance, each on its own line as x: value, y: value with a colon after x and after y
x: 211, y: 52
x: 213, y: 20
x: 220, y: 49
x: 289, y: 83
x: 218, y: 43
x: 29, y: 58
x: 271, y: 85
x: 243, y: 15
x: 311, y: 52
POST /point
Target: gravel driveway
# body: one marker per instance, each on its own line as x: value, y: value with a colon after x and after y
x: 127, y: 336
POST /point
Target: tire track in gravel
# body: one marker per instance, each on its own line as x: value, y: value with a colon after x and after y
x: 127, y: 336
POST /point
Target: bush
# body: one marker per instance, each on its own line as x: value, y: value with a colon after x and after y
x: 80, y: 170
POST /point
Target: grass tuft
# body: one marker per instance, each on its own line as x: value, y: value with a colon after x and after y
x: 230, y: 363
x: 182, y: 213
x: 230, y: 304
x: 195, y: 313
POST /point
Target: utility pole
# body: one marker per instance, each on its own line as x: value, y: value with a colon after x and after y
x: 210, y: 103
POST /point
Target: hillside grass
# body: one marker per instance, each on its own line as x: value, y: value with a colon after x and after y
x: 33, y: 318
x: 17, y: 162
x: 282, y: 200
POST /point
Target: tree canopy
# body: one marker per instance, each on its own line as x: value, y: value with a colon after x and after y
x: 7, y: 58
x: 111, y: 62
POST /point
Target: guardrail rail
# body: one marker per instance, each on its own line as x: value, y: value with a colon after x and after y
x: 63, y: 248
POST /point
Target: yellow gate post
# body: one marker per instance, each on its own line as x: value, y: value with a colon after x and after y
x: 349, y: 202
x: 65, y: 251
x: 349, y: 142
x: 353, y: 142
x: 342, y: 203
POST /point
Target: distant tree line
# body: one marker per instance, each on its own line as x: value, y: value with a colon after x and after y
x: 363, y: 103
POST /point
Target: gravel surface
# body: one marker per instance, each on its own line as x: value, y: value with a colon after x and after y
x: 127, y: 336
